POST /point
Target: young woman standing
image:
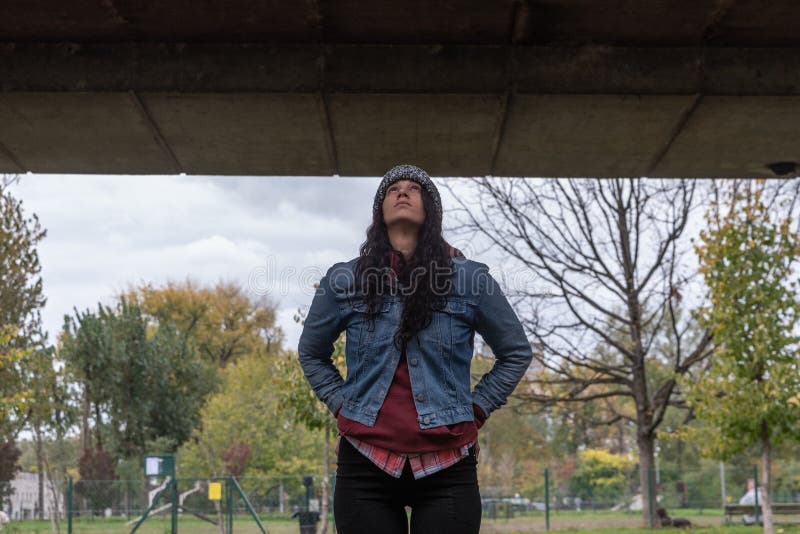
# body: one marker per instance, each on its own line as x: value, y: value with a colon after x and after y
x: 410, y: 305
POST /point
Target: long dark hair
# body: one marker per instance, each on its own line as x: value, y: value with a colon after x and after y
x: 424, y: 280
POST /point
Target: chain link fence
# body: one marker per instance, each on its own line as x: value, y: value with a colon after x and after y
x: 708, y: 496
x: 116, y: 506
x: 605, y: 500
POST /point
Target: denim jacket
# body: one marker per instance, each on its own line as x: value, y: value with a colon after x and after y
x: 438, y: 356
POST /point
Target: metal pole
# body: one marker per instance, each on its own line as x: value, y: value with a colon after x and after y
x: 658, y: 469
x: 174, y: 506
x: 69, y: 506
x: 755, y: 492
x: 248, y: 505
x: 152, y: 506
x: 230, y: 507
x: 722, y: 483
x: 547, y: 498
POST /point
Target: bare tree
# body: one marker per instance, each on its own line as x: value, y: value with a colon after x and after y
x: 604, y: 309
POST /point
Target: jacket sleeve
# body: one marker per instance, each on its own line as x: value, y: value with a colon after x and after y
x: 321, y: 329
x: 499, y: 326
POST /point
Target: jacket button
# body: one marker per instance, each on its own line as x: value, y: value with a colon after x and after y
x: 413, y: 361
x: 426, y: 420
x: 420, y: 397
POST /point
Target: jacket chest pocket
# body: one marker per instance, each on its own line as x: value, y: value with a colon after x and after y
x: 453, y: 322
x: 381, y: 326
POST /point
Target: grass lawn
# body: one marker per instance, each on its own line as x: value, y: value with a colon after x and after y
x: 607, y: 522
x: 706, y: 522
x: 153, y: 525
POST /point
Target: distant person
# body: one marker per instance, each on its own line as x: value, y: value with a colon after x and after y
x: 749, y: 498
x: 750, y: 495
x: 410, y: 304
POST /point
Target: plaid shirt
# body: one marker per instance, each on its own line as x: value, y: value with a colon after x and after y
x: 422, y: 465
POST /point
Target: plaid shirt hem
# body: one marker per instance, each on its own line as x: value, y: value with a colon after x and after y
x: 422, y: 465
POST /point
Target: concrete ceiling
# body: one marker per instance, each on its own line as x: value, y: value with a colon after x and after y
x: 461, y: 87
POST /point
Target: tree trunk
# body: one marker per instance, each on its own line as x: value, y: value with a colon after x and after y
x: 766, y: 461
x: 324, y: 508
x: 98, y: 419
x: 55, y: 510
x: 37, y: 436
x: 220, y: 517
x: 646, y: 445
x: 86, y: 443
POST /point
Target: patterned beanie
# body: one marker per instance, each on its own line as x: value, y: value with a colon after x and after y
x: 407, y: 172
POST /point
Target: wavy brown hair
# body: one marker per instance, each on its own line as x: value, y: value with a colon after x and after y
x: 424, y: 280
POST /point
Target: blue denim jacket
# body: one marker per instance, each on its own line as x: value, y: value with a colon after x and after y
x: 438, y: 357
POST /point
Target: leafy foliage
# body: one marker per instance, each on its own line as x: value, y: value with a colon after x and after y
x: 143, y: 382
x: 21, y: 295
x: 246, y: 414
x: 13, y: 393
x: 223, y: 321
x: 9, y: 458
x: 21, y: 299
x: 747, y: 258
x: 601, y: 475
x: 299, y: 402
x: 97, y: 471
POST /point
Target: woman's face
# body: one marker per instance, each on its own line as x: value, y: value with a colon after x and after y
x: 403, y: 202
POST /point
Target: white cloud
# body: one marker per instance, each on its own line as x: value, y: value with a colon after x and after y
x: 106, y: 233
x: 274, y: 235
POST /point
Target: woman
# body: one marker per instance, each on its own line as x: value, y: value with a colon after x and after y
x: 410, y: 305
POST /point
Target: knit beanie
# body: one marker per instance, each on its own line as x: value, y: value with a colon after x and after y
x: 407, y: 172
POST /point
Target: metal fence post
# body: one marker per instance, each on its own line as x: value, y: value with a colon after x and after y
x: 247, y: 504
x: 230, y: 506
x: 547, y: 498
x: 174, y: 506
x: 69, y: 506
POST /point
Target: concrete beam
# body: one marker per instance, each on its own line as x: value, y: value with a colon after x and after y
x: 78, y: 133
x: 735, y: 137
x: 458, y: 69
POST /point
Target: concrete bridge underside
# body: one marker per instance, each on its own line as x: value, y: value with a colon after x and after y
x: 706, y: 88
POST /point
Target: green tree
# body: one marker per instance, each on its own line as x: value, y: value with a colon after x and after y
x: 748, y: 394
x: 21, y: 295
x: 301, y: 406
x: 139, y: 381
x: 244, y: 432
x: 50, y: 412
x: 21, y: 300
x: 13, y: 393
x: 244, y: 428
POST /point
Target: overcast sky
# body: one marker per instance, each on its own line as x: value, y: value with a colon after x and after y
x: 274, y: 235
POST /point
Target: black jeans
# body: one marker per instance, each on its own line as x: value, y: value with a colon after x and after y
x: 367, y: 500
